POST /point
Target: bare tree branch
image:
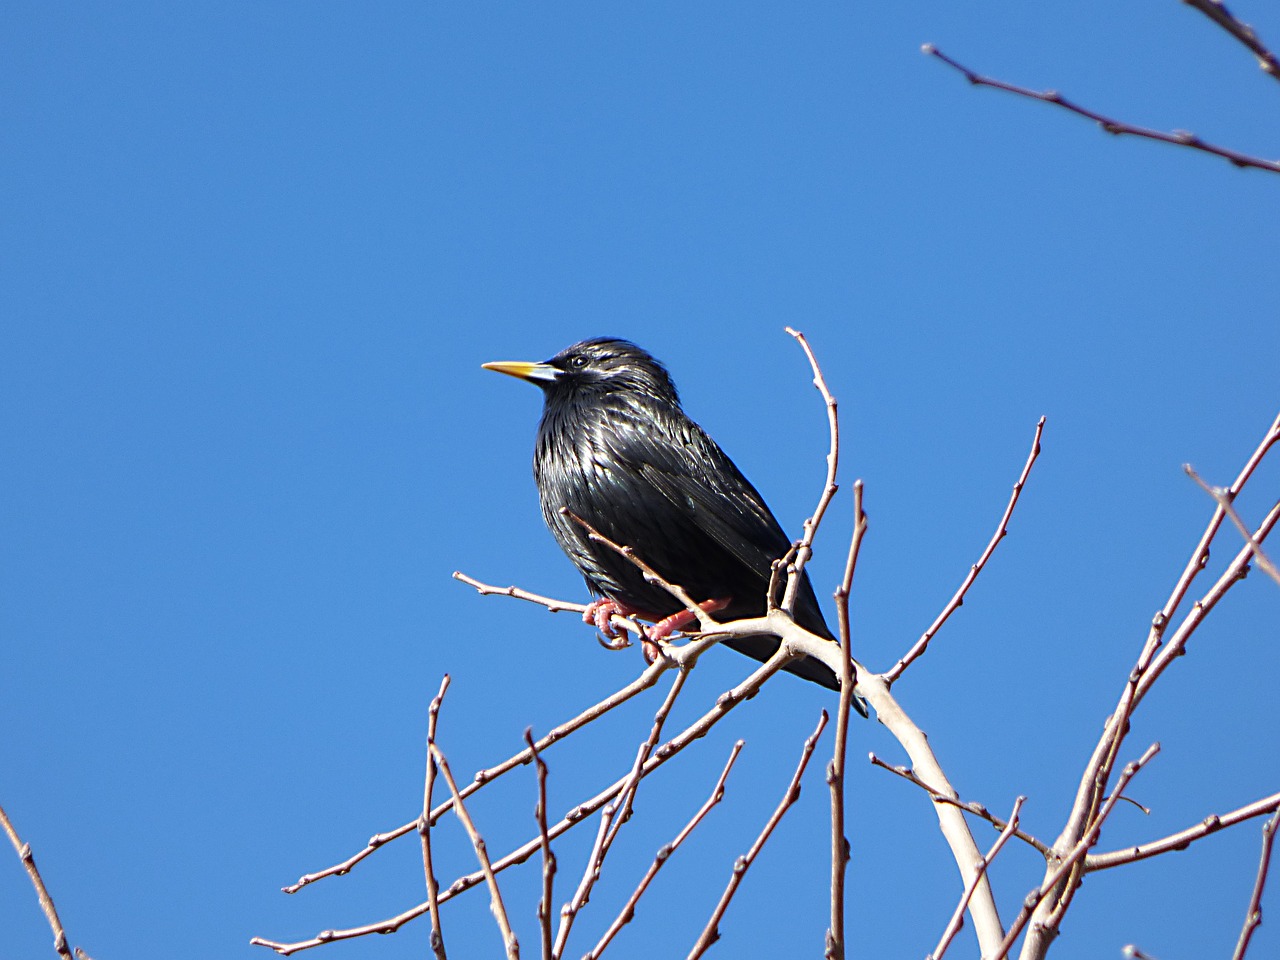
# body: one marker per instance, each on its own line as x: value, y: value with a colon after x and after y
x: 711, y: 933
x: 686, y: 655
x: 805, y: 548
x: 552, y: 605
x: 424, y: 825
x: 1179, y: 138
x: 42, y: 892
x: 1223, y: 499
x: 977, y: 809
x: 1217, y: 11
x: 664, y: 853
x: 835, y: 939
x: 548, y: 857
x: 651, y: 575
x: 1183, y: 838
x: 957, y: 918
x: 612, y: 817
x: 982, y: 905
x: 482, y: 854
x: 958, y: 599
x: 1253, y: 916
x: 745, y: 690
x: 1235, y: 572
x: 1156, y: 655
x: 1059, y: 872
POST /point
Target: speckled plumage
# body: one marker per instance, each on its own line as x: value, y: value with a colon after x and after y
x: 615, y: 448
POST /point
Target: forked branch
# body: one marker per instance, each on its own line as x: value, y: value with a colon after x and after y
x: 1179, y: 138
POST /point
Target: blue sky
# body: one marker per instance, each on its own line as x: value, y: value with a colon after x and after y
x: 253, y: 257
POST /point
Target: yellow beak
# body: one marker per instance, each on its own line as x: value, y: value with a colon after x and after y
x: 523, y: 369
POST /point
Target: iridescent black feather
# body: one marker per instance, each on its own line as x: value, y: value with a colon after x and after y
x: 615, y: 448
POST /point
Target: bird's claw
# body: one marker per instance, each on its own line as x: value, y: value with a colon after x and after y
x: 620, y: 642
x: 599, y: 613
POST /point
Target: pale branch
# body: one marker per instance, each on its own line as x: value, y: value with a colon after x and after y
x: 1179, y: 138
x: 663, y: 855
x: 951, y: 821
x: 958, y: 599
x: 42, y: 892
x: 612, y: 817
x: 829, y: 487
x: 745, y: 690
x: 711, y: 933
x: 794, y: 642
x: 977, y: 809
x: 1234, y: 573
x: 624, y: 803
x: 650, y: 575
x: 1200, y: 556
x: 1156, y: 654
x: 1183, y: 838
x: 509, y: 941
x: 784, y: 564
x: 424, y: 826
x: 835, y: 939
x: 957, y: 918
x: 684, y: 655
x: 1097, y: 771
x: 1223, y: 499
x: 845, y: 588
x: 1217, y: 11
x: 1253, y: 915
x: 1057, y: 873
x: 552, y: 605
x: 548, y: 857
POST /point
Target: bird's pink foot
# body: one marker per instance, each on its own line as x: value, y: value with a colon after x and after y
x: 678, y: 621
x: 599, y: 613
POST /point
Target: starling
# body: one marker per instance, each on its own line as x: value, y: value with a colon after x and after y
x: 615, y: 449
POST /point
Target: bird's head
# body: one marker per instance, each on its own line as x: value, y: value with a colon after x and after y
x: 601, y: 365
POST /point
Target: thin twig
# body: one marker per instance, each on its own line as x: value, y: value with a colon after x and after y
x: 663, y: 855
x: 1077, y: 854
x: 711, y: 933
x: 1217, y: 11
x: 552, y: 605
x: 42, y: 892
x: 958, y: 599
x: 424, y: 825
x: 1235, y: 572
x: 1179, y: 138
x: 835, y: 940
x: 706, y: 623
x: 745, y: 690
x: 482, y: 854
x: 1253, y: 916
x: 951, y: 821
x: 1157, y: 653
x: 548, y: 857
x: 805, y: 549
x: 1223, y: 498
x: 957, y: 918
x: 612, y: 817
x: 686, y: 655
x: 1183, y: 838
x: 977, y: 809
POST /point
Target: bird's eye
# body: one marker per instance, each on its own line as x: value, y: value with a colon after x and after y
x: 578, y: 362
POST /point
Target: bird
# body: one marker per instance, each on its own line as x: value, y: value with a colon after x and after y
x: 616, y: 450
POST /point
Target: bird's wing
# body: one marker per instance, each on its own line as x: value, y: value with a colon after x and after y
x: 702, y: 483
